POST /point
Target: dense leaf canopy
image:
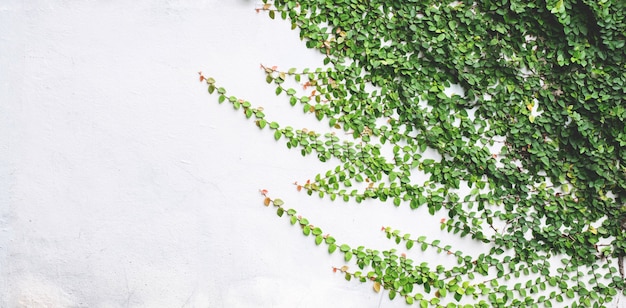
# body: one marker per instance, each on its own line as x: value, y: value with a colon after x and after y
x: 530, y: 150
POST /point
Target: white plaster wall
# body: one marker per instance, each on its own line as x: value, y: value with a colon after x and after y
x: 124, y: 184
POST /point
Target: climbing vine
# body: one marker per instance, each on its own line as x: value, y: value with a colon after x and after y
x: 529, y: 148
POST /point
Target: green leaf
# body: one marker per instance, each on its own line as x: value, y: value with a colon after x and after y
x: 347, y: 256
x: 396, y: 201
x: 261, y: 123
x: 392, y: 294
x: 332, y: 248
x: 458, y: 296
x: 316, y: 231
x: 409, y: 300
x: 452, y: 24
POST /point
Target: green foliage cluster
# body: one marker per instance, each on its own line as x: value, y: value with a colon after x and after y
x: 530, y: 154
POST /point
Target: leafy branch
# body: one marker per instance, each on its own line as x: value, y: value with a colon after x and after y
x: 506, y: 116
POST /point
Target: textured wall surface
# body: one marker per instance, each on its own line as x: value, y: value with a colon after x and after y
x: 124, y: 184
